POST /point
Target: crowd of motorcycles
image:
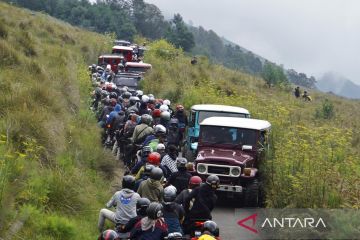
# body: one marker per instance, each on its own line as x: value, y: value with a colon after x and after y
x: 160, y: 198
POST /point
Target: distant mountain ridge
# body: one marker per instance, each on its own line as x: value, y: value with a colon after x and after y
x: 339, y: 85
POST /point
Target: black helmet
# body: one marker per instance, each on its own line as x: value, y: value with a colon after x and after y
x: 128, y: 182
x: 181, y: 162
x: 141, y: 206
x: 154, y: 211
x: 211, y: 227
x: 156, y: 173
x: 169, y: 193
x: 109, y: 235
x: 113, y: 95
x: 126, y: 95
x: 213, y: 181
x: 145, y: 151
x: 147, y: 169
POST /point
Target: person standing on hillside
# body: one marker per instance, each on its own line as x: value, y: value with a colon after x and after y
x: 297, y: 92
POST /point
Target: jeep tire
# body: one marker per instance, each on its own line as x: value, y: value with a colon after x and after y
x: 252, y: 194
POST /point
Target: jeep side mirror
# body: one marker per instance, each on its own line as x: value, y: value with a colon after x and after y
x: 247, y: 147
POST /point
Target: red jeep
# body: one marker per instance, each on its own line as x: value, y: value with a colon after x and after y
x: 231, y: 147
x: 112, y: 59
x: 125, y: 51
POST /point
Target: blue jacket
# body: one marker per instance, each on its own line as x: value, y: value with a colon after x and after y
x: 116, y: 111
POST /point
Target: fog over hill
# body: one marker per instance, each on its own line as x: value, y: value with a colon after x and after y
x: 338, y: 84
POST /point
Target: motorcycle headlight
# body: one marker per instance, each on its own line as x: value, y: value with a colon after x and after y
x: 235, y: 171
x: 201, y: 168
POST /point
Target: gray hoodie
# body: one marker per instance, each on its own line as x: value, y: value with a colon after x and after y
x: 125, y: 203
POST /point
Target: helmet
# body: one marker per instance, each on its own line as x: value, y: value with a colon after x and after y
x: 109, y: 235
x: 133, y: 100
x: 145, y: 98
x: 145, y: 151
x: 104, y: 93
x: 160, y: 146
x: 164, y: 108
x: 120, y: 65
x: 156, y: 174
x: 175, y: 236
x: 113, y: 95
x: 213, y: 181
x: 141, y: 205
x: 194, y: 182
x: 211, y: 227
x: 146, y: 119
x: 126, y: 95
x: 181, y: 162
x: 108, y: 67
x: 174, y: 122
x: 165, y: 116
x: 128, y: 182
x: 159, y: 129
x: 156, y: 113
x: 180, y: 107
x: 151, y: 95
x: 139, y: 93
x: 167, y: 102
x: 154, y: 211
x: 169, y: 193
x: 151, y: 99
x: 154, y: 158
x: 147, y: 169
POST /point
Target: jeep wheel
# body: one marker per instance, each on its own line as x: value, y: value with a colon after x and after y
x: 251, y: 194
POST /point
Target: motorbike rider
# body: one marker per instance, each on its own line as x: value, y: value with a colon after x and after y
x: 143, y: 130
x: 161, y: 149
x: 125, y: 202
x: 181, y: 178
x: 174, y: 136
x: 204, y: 203
x: 194, y: 182
x: 165, y: 118
x: 159, y: 137
x: 145, y: 152
x: 173, y: 212
x: 180, y: 114
x: 154, y: 160
x: 141, y: 207
x: 152, y: 188
x: 151, y: 227
x: 169, y: 160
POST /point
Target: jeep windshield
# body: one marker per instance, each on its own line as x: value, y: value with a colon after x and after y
x: 137, y: 69
x: 234, y: 137
x: 207, y: 114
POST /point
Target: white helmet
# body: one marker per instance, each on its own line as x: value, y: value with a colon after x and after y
x: 165, y: 115
x: 139, y: 93
x: 167, y: 102
x: 164, y: 108
x: 108, y: 67
x: 145, y: 98
x: 159, y: 129
x: 160, y: 146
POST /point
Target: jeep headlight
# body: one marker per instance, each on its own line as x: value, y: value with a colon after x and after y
x: 201, y: 168
x: 235, y: 171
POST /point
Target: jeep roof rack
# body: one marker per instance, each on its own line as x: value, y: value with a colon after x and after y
x: 219, y: 108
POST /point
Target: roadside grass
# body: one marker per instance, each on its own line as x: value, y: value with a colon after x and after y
x: 53, y: 171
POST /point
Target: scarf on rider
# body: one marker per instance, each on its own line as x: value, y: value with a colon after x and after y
x: 147, y: 223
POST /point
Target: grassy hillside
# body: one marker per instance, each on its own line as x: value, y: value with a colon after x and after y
x: 313, y: 161
x: 52, y: 166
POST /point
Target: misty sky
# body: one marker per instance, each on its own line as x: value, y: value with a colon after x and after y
x: 311, y: 36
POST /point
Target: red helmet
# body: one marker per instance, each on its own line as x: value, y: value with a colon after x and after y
x: 156, y: 113
x: 154, y: 158
x: 195, y: 181
x: 180, y: 107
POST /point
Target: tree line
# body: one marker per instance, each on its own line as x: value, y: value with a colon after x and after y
x: 128, y: 18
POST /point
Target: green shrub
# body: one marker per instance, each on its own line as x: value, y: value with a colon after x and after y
x: 58, y: 227
x: 3, y: 29
x: 326, y: 111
